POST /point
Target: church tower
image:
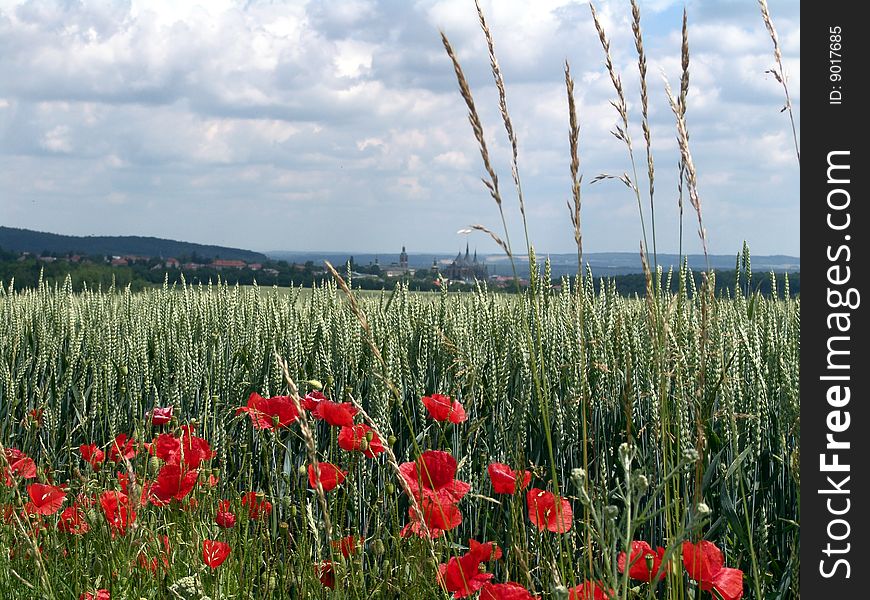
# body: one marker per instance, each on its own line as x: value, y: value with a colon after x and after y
x: 403, y: 259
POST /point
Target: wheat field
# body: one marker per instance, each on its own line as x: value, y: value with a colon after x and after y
x: 95, y: 362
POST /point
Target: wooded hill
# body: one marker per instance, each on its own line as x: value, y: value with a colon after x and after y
x: 37, y: 242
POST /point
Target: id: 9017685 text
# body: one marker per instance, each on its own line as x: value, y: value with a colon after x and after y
x: 835, y: 64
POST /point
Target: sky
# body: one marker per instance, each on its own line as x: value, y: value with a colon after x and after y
x: 337, y: 125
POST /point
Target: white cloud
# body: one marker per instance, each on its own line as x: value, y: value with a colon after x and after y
x: 57, y: 139
x: 348, y: 113
x: 454, y: 160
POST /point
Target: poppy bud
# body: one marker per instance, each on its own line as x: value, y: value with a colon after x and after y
x: 124, y: 370
x: 641, y: 483
x: 378, y: 547
x: 370, y: 435
x: 390, y: 489
x: 578, y: 478
x: 292, y: 511
x: 364, y: 444
x: 287, y: 501
x: 611, y: 512
x: 386, y: 566
x: 315, y: 384
x: 391, y: 440
x: 329, y: 380
x: 626, y: 453
x: 650, y: 561
x: 302, y: 469
x: 703, y: 509
x: 154, y: 464
x: 560, y: 592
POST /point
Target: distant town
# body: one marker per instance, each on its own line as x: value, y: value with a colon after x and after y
x: 25, y: 268
x: 463, y: 272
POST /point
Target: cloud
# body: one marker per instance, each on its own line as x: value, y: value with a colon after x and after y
x: 323, y: 125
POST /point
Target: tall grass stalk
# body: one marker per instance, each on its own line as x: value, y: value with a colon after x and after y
x: 779, y: 72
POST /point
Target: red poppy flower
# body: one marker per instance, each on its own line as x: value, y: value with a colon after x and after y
x: 172, y: 482
x: 190, y: 448
x: 213, y: 480
x: 92, y: 455
x: 214, y: 553
x: 507, y: 481
x: 485, y: 551
x: 355, y: 439
x: 269, y: 413
x: 444, y: 408
x: 337, y: 414
x: 148, y: 565
x: 13, y: 454
x: 123, y: 481
x: 347, y: 545
x: 257, y: 507
x: 160, y: 416
x: 461, y: 575
x: 705, y: 564
x: 330, y: 476
x: 438, y: 517
x: 546, y: 514
x: 102, y: 594
x: 432, y: 476
x: 326, y: 574
x: 163, y: 555
x: 194, y: 449
x: 166, y: 447
x: 20, y: 465
x: 505, y: 591
x: 122, y: 447
x: 117, y: 510
x: 644, y: 562
x: 44, y: 499
x: 72, y: 520
x: 590, y: 590
x: 224, y: 517
x: 36, y: 415
x: 312, y: 399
